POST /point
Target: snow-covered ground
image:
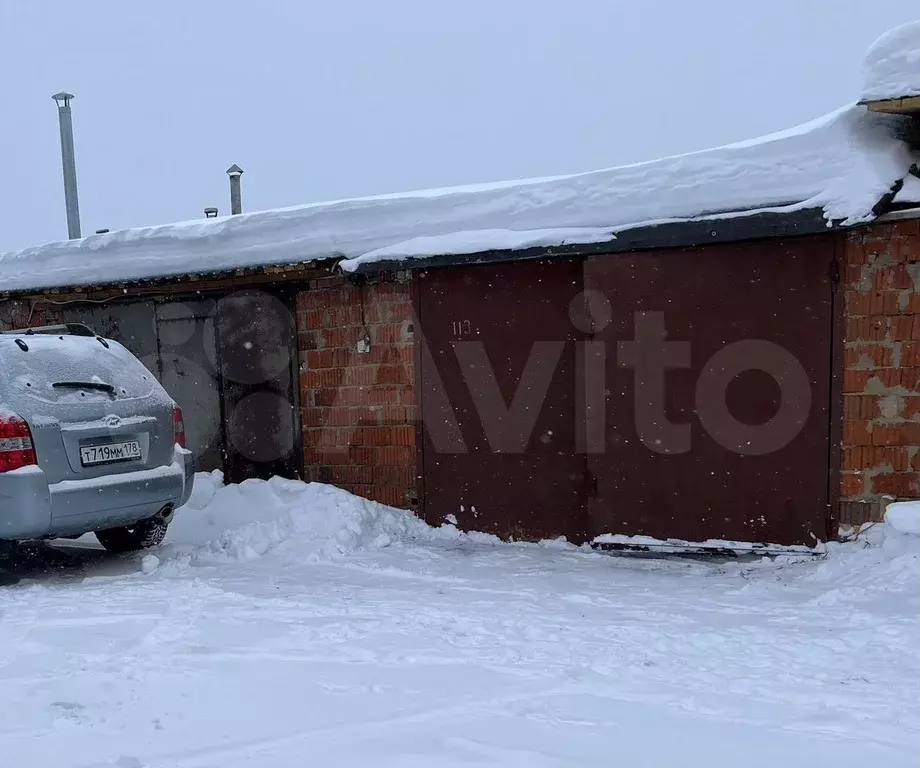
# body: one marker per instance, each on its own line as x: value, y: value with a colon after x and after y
x: 292, y: 625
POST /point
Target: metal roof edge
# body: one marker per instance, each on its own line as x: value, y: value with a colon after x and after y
x: 677, y: 234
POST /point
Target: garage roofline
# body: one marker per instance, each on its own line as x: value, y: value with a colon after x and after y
x: 665, y: 235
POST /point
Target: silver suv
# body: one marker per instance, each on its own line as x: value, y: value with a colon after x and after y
x: 89, y: 441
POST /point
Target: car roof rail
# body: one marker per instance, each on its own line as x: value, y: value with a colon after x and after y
x: 61, y: 329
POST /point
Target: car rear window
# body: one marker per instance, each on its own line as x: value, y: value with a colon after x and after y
x: 46, y: 367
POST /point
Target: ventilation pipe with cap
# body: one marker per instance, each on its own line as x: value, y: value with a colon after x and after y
x: 236, y: 199
x: 71, y: 203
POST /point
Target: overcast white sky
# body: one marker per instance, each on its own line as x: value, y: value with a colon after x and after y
x: 343, y: 98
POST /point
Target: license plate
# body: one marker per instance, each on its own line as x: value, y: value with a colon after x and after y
x: 104, y: 454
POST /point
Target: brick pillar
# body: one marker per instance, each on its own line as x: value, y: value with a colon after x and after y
x: 881, y: 429
x: 357, y: 380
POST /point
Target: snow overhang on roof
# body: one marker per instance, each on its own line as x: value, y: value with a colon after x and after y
x: 891, y: 71
x: 836, y: 170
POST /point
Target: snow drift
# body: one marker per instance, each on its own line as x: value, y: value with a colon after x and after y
x: 891, y: 69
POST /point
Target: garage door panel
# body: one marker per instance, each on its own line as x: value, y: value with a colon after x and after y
x: 777, y: 293
x: 499, y: 358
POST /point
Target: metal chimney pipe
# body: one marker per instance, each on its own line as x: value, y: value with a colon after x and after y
x: 70, y: 167
x: 236, y: 198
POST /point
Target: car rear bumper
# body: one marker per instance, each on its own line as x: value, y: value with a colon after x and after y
x: 31, y: 508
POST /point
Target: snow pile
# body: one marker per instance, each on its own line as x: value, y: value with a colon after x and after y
x: 243, y: 522
x: 880, y: 562
x: 904, y: 516
x: 317, y: 522
x: 843, y: 163
x: 891, y: 69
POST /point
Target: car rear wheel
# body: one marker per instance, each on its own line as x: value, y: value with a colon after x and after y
x: 142, y: 535
x: 8, y: 552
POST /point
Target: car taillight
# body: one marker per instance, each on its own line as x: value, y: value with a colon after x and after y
x: 178, y: 426
x: 16, y: 448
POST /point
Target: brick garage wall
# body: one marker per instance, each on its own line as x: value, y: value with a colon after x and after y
x: 358, y: 402
x: 18, y: 313
x: 881, y: 428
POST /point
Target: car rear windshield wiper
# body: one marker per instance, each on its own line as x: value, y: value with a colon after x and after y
x: 101, y: 386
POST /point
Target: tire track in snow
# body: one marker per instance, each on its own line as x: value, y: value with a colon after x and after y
x: 204, y: 756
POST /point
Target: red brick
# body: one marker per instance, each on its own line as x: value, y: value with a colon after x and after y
x: 856, y: 433
x: 906, y: 229
x: 853, y: 459
x: 329, y: 396
x: 910, y: 379
x: 872, y: 302
x: 388, y: 312
x: 362, y: 455
x: 901, y: 484
x: 401, y: 477
x: 911, y: 407
x: 872, y: 328
x: 342, y: 337
x: 389, y: 333
x: 390, y: 291
x: 892, y: 276
x: 855, y: 381
x: 394, y: 374
x: 322, y: 377
x: 312, y: 319
x: 393, y: 414
x: 915, y: 462
x: 852, y: 275
x: 402, y: 435
x: 852, y: 485
x: 352, y: 474
x: 858, y: 458
x: 312, y: 417
x: 383, y: 395
x: 326, y: 455
x: 885, y: 435
x: 868, y: 355
x: 905, y: 433
x: 857, y: 303
x: 897, y: 458
x: 879, y: 232
x: 890, y: 377
x: 860, y: 407
x: 390, y: 495
x: 395, y: 456
x: 910, y: 353
x: 854, y: 253
x: 359, y: 376
x: 306, y: 340
x: 901, y: 327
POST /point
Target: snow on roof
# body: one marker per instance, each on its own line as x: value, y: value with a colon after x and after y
x: 910, y: 192
x: 891, y: 69
x: 843, y: 163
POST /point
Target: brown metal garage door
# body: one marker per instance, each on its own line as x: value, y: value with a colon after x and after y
x: 497, y: 357
x: 700, y: 473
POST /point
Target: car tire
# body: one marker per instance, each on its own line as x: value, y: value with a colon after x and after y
x: 8, y: 553
x: 131, y: 538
